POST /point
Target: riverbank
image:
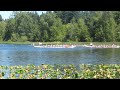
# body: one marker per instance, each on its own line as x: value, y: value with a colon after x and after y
x: 84, y: 71
x: 68, y: 43
x: 18, y: 42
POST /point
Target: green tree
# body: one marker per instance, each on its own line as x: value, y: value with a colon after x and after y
x: 26, y: 24
x: 116, y: 15
x: 106, y: 27
x: 117, y: 33
x: 91, y: 20
x: 46, y: 22
x: 61, y: 26
x: 67, y: 16
x: 69, y: 32
x: 1, y: 18
x: 83, y: 30
x: 44, y: 28
x: 2, y: 30
x: 14, y: 37
x: 10, y: 28
x: 56, y: 31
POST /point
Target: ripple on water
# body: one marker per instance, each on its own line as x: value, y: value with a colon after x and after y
x: 25, y: 54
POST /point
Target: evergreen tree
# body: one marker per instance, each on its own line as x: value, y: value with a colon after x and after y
x: 1, y: 18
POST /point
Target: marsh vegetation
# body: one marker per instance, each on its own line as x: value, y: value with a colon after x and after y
x: 84, y: 71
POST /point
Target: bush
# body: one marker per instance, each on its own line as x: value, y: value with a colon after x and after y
x: 23, y: 38
x: 14, y: 37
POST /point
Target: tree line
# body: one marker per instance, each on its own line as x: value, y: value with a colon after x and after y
x: 63, y: 26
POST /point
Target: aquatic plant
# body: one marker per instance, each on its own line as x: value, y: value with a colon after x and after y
x: 85, y: 71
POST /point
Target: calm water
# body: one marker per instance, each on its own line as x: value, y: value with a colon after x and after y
x: 26, y: 54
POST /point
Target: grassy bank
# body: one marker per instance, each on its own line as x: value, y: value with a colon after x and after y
x: 77, y: 43
x: 17, y: 42
x: 85, y: 71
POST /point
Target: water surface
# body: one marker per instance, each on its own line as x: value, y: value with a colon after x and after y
x: 11, y: 54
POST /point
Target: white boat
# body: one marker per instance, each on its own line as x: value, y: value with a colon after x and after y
x: 54, y: 46
x: 103, y: 46
x: 89, y: 46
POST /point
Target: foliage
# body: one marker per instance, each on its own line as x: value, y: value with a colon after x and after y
x: 84, y: 71
x: 1, y: 18
x: 62, y: 26
x: 2, y: 30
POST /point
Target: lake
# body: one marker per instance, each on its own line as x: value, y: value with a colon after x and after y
x: 12, y: 54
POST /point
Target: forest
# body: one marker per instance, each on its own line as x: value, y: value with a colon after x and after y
x: 62, y: 26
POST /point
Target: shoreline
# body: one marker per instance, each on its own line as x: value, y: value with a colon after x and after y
x: 68, y: 43
x: 83, y: 44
